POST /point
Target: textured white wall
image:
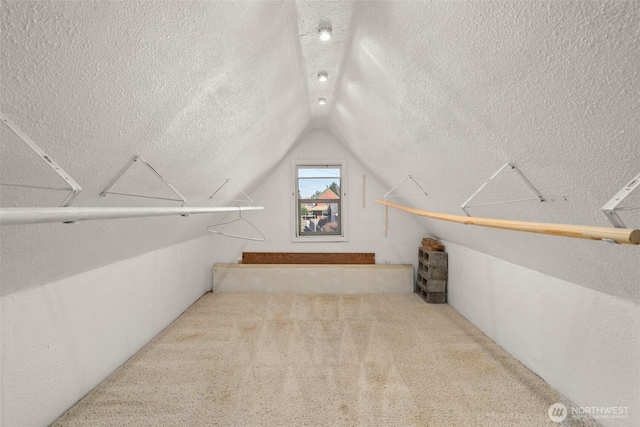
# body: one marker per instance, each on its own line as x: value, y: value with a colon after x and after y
x: 62, y: 339
x: 583, y: 342
x: 365, y: 225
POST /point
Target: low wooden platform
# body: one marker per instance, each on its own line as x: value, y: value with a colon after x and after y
x: 308, y: 258
x: 313, y: 279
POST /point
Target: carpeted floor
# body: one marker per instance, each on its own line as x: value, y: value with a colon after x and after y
x: 318, y: 360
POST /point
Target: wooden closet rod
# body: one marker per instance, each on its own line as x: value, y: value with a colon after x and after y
x: 618, y: 235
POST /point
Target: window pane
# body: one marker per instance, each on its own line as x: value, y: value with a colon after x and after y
x: 319, y: 218
x: 311, y: 188
x: 319, y: 172
x: 319, y: 205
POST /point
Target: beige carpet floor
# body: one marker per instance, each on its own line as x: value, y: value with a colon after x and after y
x: 318, y: 360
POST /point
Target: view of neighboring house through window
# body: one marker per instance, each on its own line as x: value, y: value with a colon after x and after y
x: 319, y: 203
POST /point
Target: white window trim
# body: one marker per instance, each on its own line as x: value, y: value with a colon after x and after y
x: 295, y: 238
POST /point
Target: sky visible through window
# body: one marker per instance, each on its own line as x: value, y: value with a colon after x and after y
x: 312, y: 180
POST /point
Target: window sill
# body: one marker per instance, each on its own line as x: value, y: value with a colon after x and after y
x: 318, y: 239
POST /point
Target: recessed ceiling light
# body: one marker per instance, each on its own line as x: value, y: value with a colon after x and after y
x: 323, y: 76
x: 322, y: 101
x: 324, y: 34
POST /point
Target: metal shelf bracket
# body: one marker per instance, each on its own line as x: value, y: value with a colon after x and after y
x: 506, y: 166
x: 137, y: 159
x: 611, y: 208
x: 74, y: 188
x: 228, y: 181
x: 423, y: 192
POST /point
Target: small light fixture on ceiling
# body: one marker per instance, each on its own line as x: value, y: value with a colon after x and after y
x: 323, y: 76
x: 322, y: 101
x: 324, y: 34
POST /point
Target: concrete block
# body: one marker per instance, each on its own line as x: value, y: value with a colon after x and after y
x: 436, y: 297
x: 436, y: 285
x: 435, y: 258
x: 436, y: 272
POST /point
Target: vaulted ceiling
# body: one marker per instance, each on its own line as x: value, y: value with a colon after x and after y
x: 205, y: 90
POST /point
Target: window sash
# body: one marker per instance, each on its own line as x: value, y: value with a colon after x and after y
x: 305, y: 174
x: 301, y: 231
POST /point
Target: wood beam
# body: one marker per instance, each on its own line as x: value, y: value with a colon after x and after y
x: 308, y: 258
x: 618, y: 235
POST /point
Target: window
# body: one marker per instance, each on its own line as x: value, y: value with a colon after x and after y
x: 319, y: 209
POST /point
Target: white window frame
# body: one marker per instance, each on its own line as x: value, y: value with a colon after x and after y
x: 344, y: 216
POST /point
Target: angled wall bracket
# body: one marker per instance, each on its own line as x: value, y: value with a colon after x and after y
x: 423, y: 192
x: 137, y: 159
x: 386, y: 196
x: 228, y: 181
x: 507, y: 166
x: 74, y: 188
x: 611, y: 206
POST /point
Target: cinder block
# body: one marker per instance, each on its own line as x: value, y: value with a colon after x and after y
x: 422, y: 270
x: 435, y: 258
x: 435, y: 285
x: 434, y: 272
x: 436, y: 297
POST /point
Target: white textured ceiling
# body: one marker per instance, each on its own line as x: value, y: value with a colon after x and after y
x: 324, y: 56
x: 203, y: 91
x: 450, y: 91
x: 207, y: 90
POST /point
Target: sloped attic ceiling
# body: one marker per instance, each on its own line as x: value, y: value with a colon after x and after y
x: 202, y: 90
x: 450, y: 91
x: 208, y: 90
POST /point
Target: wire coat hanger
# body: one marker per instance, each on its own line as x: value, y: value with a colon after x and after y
x: 236, y: 236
